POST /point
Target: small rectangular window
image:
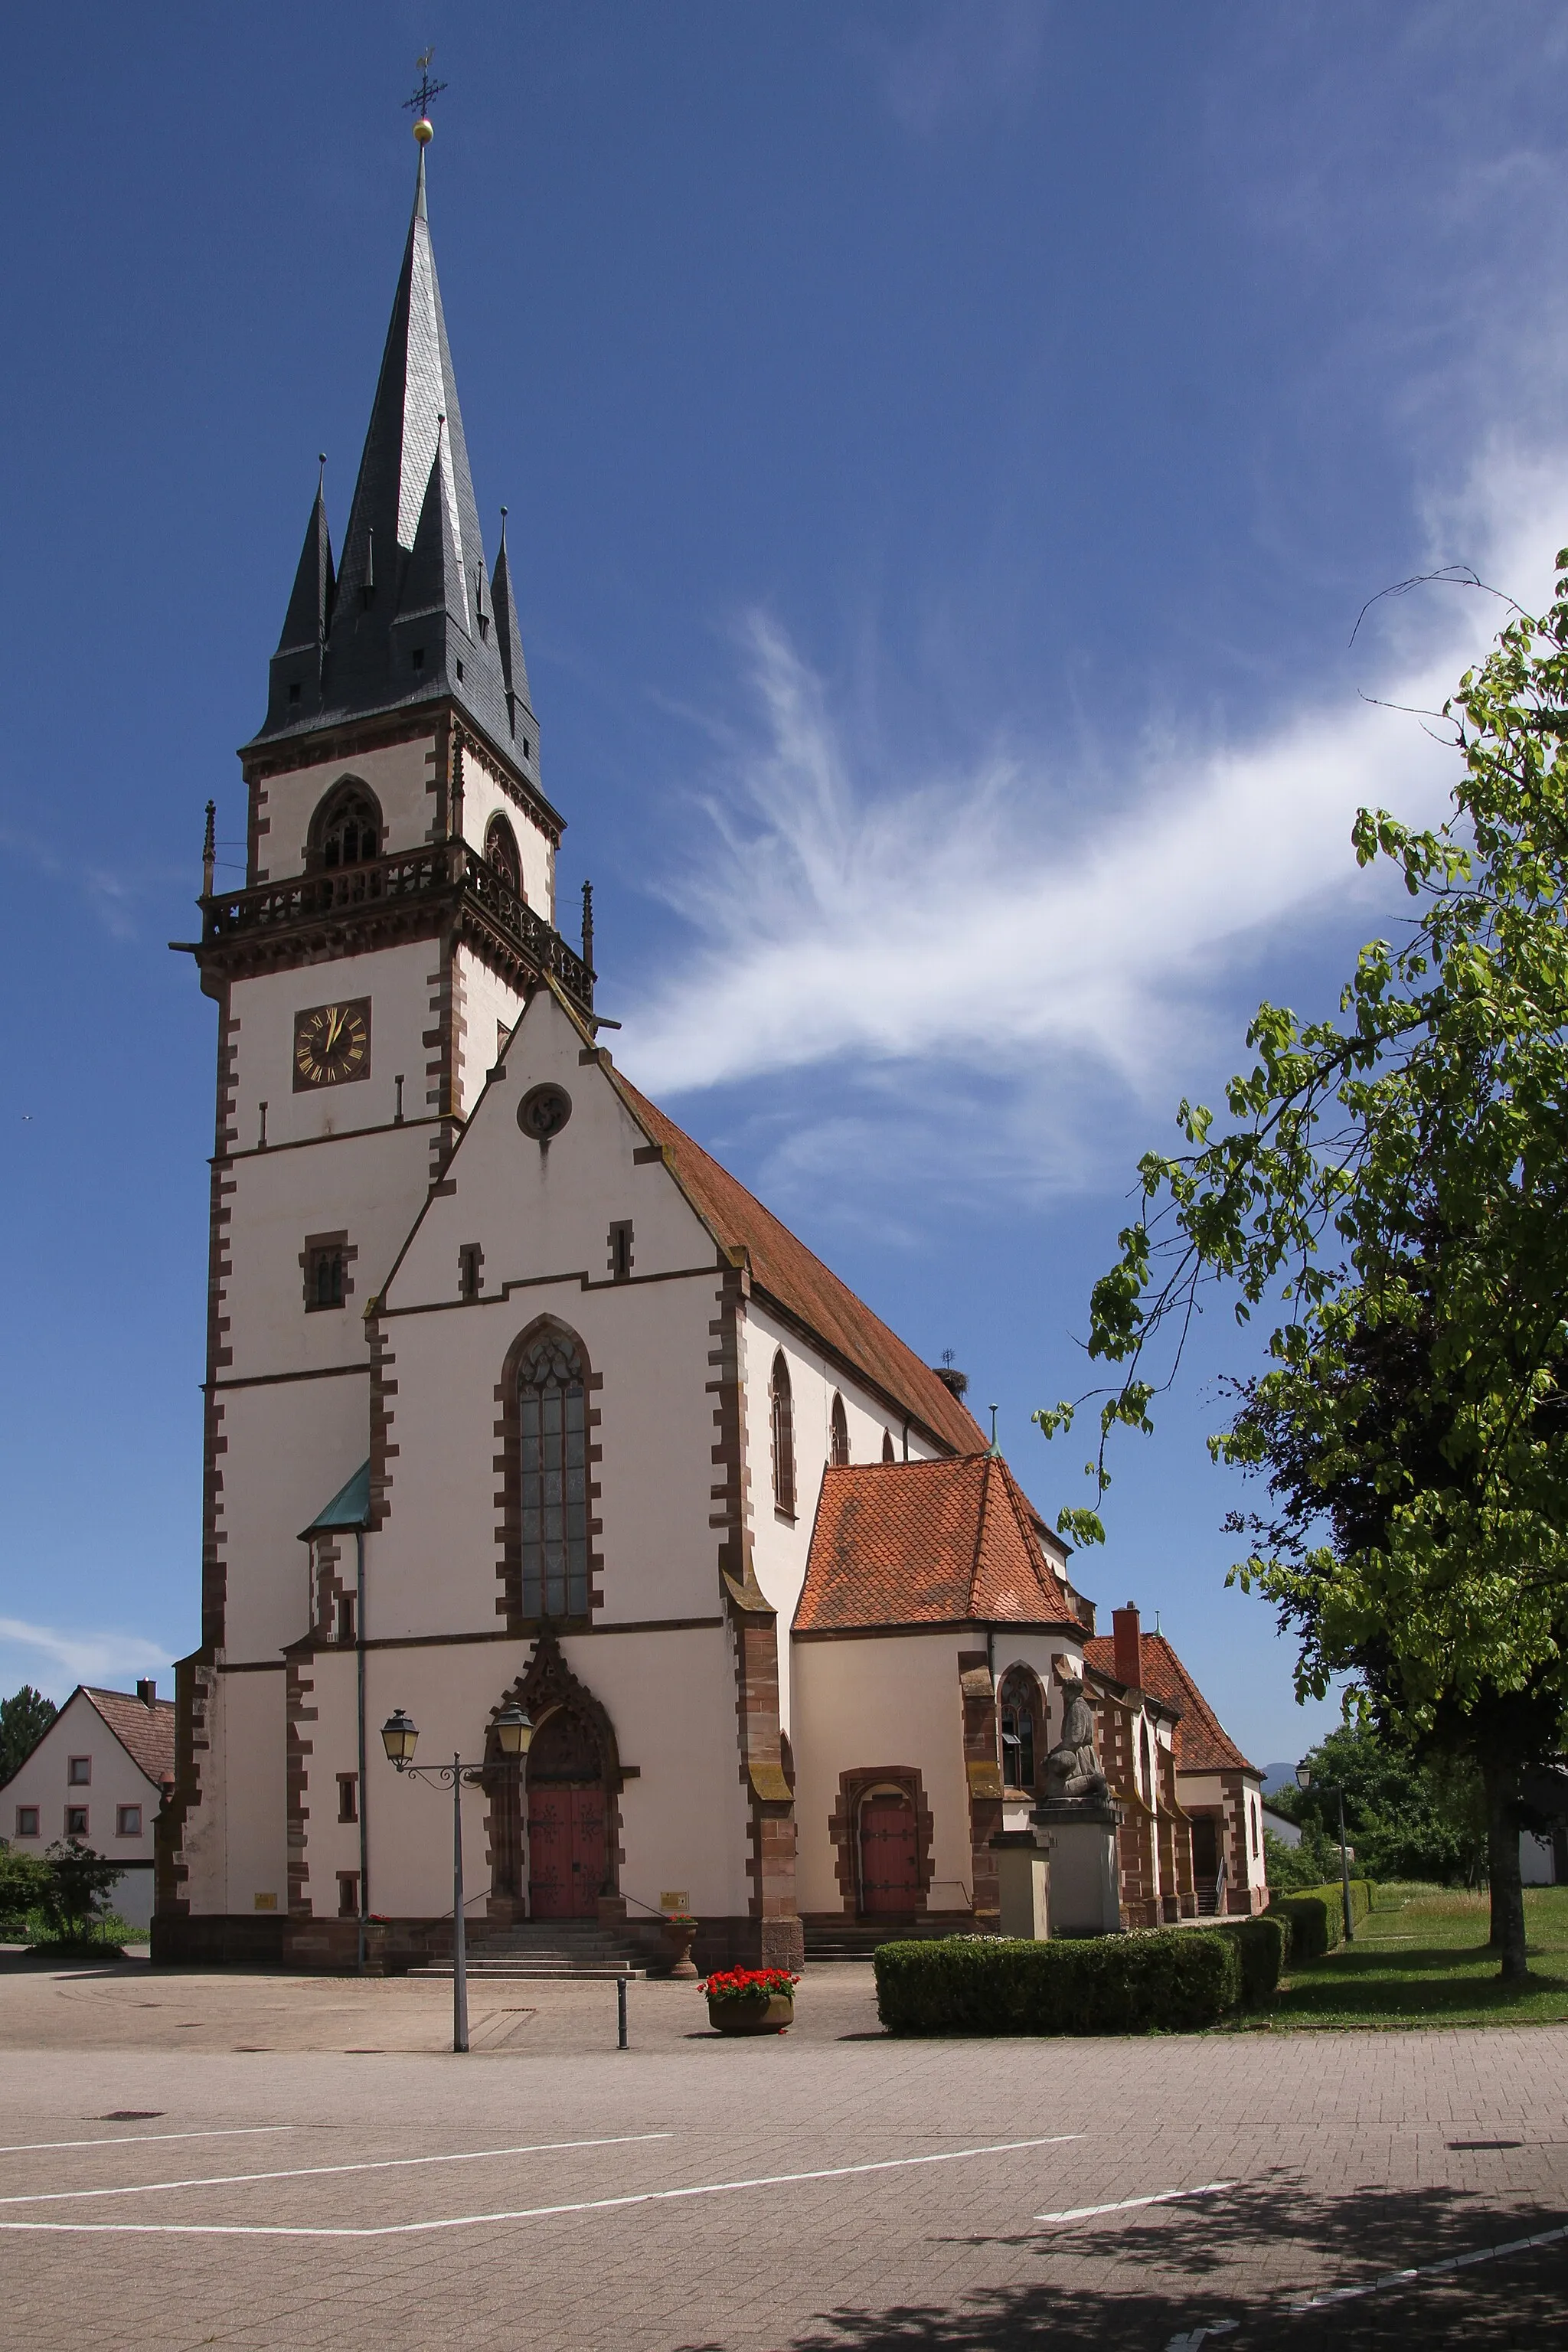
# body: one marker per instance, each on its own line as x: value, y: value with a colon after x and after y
x: 525, y: 748
x: 76, y: 1821
x: 348, y: 1894
x: 348, y: 1796
x: 417, y: 658
x: 324, y: 1277
x: 621, y: 1249
x: 294, y: 691
x: 128, y: 1820
x: 470, y: 1259
x: 345, y: 1616
x: 27, y: 1821
x: 78, y: 1772
x: 459, y: 673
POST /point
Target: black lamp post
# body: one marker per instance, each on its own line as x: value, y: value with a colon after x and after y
x: 398, y: 1736
x: 1304, y: 1782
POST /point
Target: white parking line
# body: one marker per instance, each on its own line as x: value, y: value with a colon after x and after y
x: 1429, y: 2270
x: 309, y: 2171
x: 526, y: 2212
x: 1126, y: 2204
x: 130, y: 2139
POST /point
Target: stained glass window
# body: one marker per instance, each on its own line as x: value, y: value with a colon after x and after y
x: 554, y: 1481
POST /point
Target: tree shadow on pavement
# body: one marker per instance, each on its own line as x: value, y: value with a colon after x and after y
x: 1231, y: 2267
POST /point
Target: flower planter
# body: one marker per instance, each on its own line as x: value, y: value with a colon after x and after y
x: 678, y: 1935
x: 773, y: 2015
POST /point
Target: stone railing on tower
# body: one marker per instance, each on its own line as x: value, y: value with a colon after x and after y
x: 445, y: 875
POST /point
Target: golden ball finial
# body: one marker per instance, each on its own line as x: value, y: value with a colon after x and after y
x: 425, y: 130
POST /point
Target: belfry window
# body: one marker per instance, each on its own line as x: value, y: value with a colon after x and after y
x: 347, y: 828
x: 782, y: 1401
x: 501, y: 852
x: 553, y: 1458
x: 838, y: 1434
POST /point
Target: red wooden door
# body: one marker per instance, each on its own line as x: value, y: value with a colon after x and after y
x: 889, y: 1866
x: 565, y: 1850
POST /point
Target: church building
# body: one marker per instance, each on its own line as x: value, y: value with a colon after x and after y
x: 516, y: 1398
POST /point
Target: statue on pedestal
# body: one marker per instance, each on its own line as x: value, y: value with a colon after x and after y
x: 1072, y: 1769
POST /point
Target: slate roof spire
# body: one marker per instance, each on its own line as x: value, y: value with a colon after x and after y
x: 401, y: 620
x: 509, y: 638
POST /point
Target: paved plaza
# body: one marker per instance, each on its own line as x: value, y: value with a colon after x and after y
x: 263, y: 2161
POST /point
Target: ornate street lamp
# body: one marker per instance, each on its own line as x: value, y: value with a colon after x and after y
x: 399, y: 1737
x: 1304, y: 1782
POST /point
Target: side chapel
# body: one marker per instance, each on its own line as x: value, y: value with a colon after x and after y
x: 513, y: 1394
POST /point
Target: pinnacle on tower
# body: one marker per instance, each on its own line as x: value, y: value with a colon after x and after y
x: 508, y: 643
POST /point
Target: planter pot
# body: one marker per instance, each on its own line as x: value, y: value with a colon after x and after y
x: 770, y: 2016
x: 679, y: 1937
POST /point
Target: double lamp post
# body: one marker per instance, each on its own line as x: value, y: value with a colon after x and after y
x: 514, y: 1734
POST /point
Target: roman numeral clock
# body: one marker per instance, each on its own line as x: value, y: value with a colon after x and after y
x: 331, y: 1044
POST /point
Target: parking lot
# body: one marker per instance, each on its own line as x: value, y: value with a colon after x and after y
x: 261, y: 2161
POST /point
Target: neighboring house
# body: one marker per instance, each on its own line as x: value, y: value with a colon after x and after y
x: 99, y: 1774
x: 601, y: 1436
x: 1289, y: 1833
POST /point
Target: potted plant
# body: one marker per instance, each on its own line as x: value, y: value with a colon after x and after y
x: 750, y: 2001
x: 679, y: 1930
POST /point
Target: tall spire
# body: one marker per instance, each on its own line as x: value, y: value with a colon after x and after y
x: 407, y: 620
x: 509, y: 639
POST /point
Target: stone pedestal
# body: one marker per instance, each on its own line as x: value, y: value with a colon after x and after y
x: 1085, y: 1883
x: 1022, y: 1880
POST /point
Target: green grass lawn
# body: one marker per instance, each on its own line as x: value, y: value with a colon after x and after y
x: 1424, y: 1962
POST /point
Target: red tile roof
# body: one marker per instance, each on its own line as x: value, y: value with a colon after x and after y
x: 146, y: 1733
x: 927, y: 1543
x: 796, y: 1280
x: 1200, y: 1742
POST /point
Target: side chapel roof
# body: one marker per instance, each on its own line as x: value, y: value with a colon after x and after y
x: 928, y: 1543
x: 1200, y: 1742
x: 796, y: 1280
x: 146, y: 1732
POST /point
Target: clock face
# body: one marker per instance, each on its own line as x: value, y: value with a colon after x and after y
x: 331, y: 1044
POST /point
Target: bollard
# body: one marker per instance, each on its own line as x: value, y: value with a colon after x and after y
x: 620, y: 2013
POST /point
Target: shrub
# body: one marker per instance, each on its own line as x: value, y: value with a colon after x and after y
x: 1315, y: 1916
x: 1178, y: 1980
x: 1262, y: 1949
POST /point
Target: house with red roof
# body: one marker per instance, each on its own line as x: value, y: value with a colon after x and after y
x: 97, y: 1776
x: 516, y: 1399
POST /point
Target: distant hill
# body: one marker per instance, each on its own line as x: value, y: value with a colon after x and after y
x: 1277, y: 1776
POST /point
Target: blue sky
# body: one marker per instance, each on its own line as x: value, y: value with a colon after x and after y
x: 948, y: 447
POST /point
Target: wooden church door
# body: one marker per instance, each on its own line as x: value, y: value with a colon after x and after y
x: 567, y: 1851
x: 890, y: 1863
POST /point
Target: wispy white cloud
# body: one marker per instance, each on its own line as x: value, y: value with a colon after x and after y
x: 959, y: 60
x: 960, y: 931
x: 84, y: 1656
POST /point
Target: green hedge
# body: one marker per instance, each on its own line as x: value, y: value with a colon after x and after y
x: 1174, y: 1979
x: 1262, y: 1948
x: 1314, y: 1916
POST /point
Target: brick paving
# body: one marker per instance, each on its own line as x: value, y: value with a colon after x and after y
x: 1342, y: 2147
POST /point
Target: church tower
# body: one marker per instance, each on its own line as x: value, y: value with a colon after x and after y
x: 399, y: 902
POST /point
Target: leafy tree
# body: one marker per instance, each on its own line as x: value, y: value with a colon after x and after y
x: 25, y: 1883
x: 1394, y: 1185
x: 25, y: 1718
x: 1406, y: 1815
x: 74, y: 1901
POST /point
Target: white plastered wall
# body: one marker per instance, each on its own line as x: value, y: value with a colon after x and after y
x: 399, y: 982
x: 116, y: 1780
x: 248, y: 1728
x: 400, y: 777
x: 485, y: 796
x: 486, y: 1003
x: 874, y: 1703
x: 291, y: 1444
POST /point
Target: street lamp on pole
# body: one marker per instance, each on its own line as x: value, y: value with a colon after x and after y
x: 399, y: 1737
x: 1304, y: 1782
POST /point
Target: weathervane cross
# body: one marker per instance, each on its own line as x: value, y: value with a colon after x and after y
x: 419, y: 104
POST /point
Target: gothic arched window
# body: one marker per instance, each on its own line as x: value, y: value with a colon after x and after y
x: 1019, y: 1711
x: 1148, y: 1765
x: 838, y: 1434
x: 552, y: 1478
x: 501, y: 852
x: 346, y: 828
x: 784, y: 1436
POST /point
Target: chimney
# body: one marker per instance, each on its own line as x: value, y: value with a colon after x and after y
x: 1127, y: 1642
x: 147, y: 1693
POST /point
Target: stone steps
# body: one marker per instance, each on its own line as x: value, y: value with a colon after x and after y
x: 512, y: 1972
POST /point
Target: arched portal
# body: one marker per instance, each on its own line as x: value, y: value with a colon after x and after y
x: 890, y: 1850
x: 555, y: 1829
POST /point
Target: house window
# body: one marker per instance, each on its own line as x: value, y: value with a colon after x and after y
x: 501, y: 852
x: 620, y: 1258
x: 348, y: 1796
x: 345, y: 1616
x: 27, y: 1821
x: 76, y: 1821
x: 128, y: 1820
x: 838, y: 1434
x: 887, y: 1445
x: 783, y: 1437
x: 1019, y: 1698
x: 348, y: 1894
x: 346, y: 828
x: 324, y: 1276
x: 78, y: 1772
x: 470, y: 1258
x: 553, y: 1458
